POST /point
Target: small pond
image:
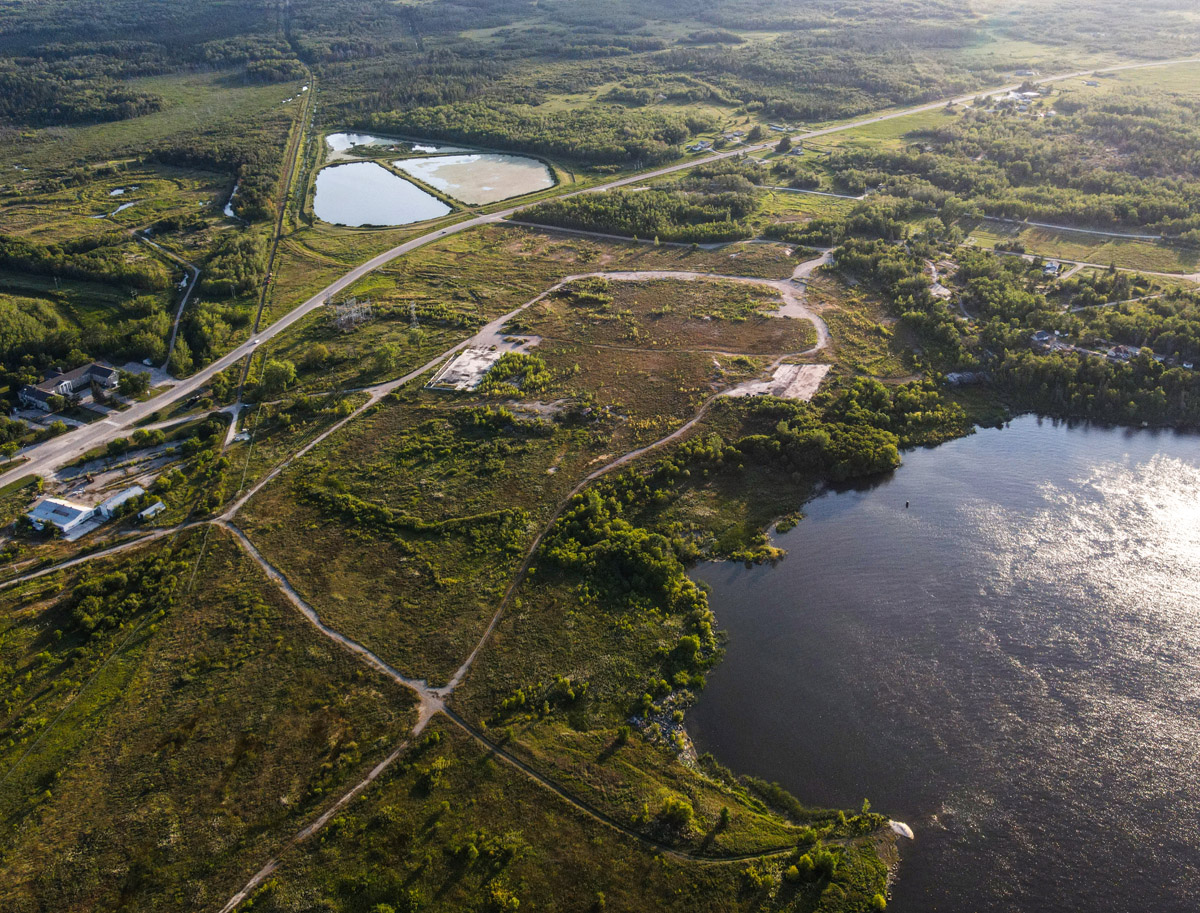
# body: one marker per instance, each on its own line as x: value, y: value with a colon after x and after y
x: 364, y: 193
x: 479, y: 178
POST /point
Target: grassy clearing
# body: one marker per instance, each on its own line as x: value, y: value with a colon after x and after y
x: 385, y: 347
x: 49, y: 213
x: 863, y: 334
x: 195, y: 102
x: 462, y: 830
x: 667, y: 315
x: 756, y: 260
x: 628, y: 777
x: 1070, y: 245
x: 1177, y: 78
x: 887, y: 133
x: 428, y: 503
x: 278, y: 430
x: 782, y: 206
x: 216, y: 730
x: 644, y: 394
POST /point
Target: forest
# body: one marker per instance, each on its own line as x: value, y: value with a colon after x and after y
x: 1126, y: 160
x: 665, y: 215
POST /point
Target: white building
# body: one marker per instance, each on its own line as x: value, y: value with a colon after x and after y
x: 109, y: 507
x: 152, y: 511
x: 66, y: 515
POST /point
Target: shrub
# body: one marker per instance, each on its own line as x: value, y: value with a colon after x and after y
x: 677, y: 812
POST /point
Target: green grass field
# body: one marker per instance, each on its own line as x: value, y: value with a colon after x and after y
x: 1125, y: 253
x: 154, y: 764
x: 193, y: 103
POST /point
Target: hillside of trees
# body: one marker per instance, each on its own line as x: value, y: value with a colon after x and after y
x: 1128, y: 160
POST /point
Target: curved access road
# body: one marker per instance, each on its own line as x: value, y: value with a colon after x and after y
x: 46, y: 457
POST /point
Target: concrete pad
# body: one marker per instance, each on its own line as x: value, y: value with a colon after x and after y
x: 789, y: 382
x: 466, y: 370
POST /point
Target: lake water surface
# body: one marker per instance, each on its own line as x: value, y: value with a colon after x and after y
x: 480, y: 178
x: 1011, y: 665
x: 365, y: 193
x: 344, y: 142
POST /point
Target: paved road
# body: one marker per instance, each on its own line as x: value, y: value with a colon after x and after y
x: 44, y: 458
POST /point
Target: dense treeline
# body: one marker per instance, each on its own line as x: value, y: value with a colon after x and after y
x: 607, y: 136
x: 67, y: 63
x: 34, y: 337
x: 1010, y: 300
x: 1142, y: 390
x: 898, y: 273
x: 793, y: 79
x: 1169, y: 325
x: 35, y: 334
x: 663, y: 214
x: 235, y: 264
x: 1126, y: 160
x: 35, y: 95
x: 98, y: 258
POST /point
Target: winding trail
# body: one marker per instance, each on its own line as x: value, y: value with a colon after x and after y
x: 432, y: 701
x: 1113, y: 304
x: 273, y: 863
x: 47, y: 456
x: 124, y: 546
x: 1081, y: 231
x: 187, y: 294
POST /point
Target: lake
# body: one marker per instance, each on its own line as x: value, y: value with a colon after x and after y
x: 1011, y: 665
x: 365, y: 193
x: 480, y: 178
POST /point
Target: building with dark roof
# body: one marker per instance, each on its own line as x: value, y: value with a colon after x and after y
x: 37, y: 396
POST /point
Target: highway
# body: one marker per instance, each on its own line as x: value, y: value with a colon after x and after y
x: 46, y: 457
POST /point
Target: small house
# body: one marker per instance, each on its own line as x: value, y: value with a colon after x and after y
x: 1122, y: 353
